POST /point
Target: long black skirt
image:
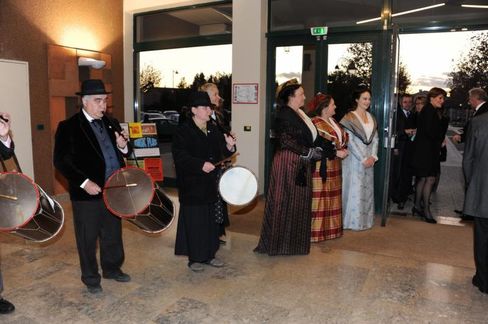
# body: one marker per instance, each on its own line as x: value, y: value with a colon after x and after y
x: 197, y: 235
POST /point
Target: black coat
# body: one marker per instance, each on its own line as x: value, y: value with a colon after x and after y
x: 78, y: 156
x: 403, y: 122
x: 6, y: 152
x: 428, y: 140
x: 191, y: 149
x: 292, y: 131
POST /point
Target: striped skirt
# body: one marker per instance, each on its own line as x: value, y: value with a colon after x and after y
x: 327, y: 202
x: 287, y: 215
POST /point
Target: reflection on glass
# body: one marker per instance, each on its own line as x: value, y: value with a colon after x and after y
x: 349, y: 65
x: 289, y: 62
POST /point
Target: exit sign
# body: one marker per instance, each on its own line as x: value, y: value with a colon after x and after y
x: 318, y: 31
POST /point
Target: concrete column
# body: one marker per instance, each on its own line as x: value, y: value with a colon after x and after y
x: 249, y: 67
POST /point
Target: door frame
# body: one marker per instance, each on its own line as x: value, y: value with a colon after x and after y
x: 381, y: 42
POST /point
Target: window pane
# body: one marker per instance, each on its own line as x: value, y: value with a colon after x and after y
x: 202, y: 21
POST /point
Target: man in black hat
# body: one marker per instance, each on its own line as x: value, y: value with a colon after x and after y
x: 6, y: 152
x: 88, y: 148
x: 197, y: 145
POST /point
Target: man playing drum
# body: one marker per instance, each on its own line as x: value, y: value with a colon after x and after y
x: 6, y: 152
x: 88, y: 148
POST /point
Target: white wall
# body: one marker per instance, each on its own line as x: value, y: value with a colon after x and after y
x: 249, y: 66
x: 14, y: 99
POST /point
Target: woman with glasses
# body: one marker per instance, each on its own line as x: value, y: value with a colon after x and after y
x: 287, y: 214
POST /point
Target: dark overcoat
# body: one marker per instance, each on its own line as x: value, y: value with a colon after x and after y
x: 475, y: 167
x: 191, y: 149
x: 78, y: 156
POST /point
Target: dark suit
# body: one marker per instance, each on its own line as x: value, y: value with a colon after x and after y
x: 5, y: 153
x: 401, y: 180
x: 481, y: 110
x: 78, y: 156
x: 475, y: 167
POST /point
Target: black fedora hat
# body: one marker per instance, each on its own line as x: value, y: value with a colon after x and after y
x: 92, y: 87
x: 199, y: 98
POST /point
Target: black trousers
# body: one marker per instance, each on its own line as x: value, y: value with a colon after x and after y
x: 93, y: 222
x: 481, y: 253
x: 402, y: 175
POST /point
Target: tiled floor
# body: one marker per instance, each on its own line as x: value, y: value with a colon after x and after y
x: 406, y: 272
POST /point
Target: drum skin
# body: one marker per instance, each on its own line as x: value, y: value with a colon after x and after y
x: 238, y: 186
x: 23, y: 202
x: 27, y: 210
x: 128, y: 192
x: 131, y: 194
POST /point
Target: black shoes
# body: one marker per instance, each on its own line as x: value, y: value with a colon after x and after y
x: 119, y: 276
x: 6, y: 307
x: 94, y: 289
x: 477, y: 284
x: 430, y: 220
x: 419, y: 212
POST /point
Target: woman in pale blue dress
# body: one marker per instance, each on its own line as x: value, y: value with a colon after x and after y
x: 358, y: 167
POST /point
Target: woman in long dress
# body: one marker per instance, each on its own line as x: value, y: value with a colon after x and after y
x: 197, y: 145
x: 357, y: 169
x: 327, y: 179
x: 287, y: 215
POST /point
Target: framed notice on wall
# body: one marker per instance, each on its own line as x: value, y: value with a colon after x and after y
x: 245, y: 93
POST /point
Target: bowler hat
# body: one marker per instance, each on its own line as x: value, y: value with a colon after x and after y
x: 199, y: 98
x: 92, y: 87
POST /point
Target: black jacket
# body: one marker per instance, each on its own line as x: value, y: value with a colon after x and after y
x: 6, y: 152
x: 191, y: 149
x: 481, y: 110
x: 78, y: 156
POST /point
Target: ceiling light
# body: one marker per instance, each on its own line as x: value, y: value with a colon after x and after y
x: 474, y: 6
x: 403, y: 13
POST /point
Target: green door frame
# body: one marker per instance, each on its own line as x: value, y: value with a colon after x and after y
x: 379, y: 80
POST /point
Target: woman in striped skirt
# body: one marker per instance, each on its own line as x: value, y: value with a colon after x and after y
x: 287, y: 216
x: 327, y: 175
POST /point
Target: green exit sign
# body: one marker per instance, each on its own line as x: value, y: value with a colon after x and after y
x: 318, y: 31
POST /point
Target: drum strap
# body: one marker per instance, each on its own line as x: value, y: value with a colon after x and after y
x: 10, y: 164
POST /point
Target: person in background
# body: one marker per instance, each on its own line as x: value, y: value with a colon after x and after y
x: 220, y: 117
x: 358, y: 168
x: 419, y: 100
x: 88, y: 148
x: 6, y: 152
x: 401, y: 179
x: 327, y: 179
x: 427, y: 150
x: 477, y: 101
x: 197, y: 145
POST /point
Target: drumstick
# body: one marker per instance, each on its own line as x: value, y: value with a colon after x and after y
x: 122, y: 186
x: 8, y: 197
x: 226, y: 159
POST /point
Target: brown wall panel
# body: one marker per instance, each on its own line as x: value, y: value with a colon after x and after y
x: 28, y: 26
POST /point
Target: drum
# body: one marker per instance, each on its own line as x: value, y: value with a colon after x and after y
x: 27, y: 211
x: 238, y: 186
x: 131, y: 194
